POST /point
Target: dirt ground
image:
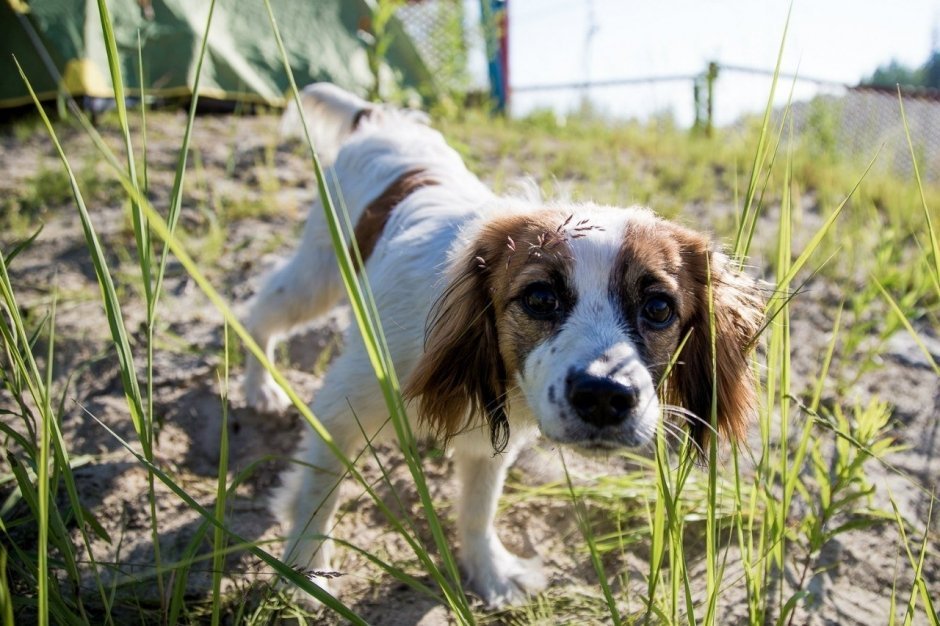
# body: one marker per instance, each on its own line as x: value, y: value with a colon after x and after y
x: 237, y: 167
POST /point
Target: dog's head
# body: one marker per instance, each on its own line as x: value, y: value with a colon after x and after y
x: 594, y: 314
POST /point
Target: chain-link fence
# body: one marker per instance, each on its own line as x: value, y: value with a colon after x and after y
x: 863, y: 120
x: 847, y: 119
x: 442, y: 37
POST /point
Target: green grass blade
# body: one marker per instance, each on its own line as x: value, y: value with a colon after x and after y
x: 144, y: 253
x: 933, y: 617
x: 22, y: 245
x: 218, y: 540
x: 934, y: 246
x: 907, y: 325
x: 752, y: 227
x: 747, y: 214
x: 6, y: 598
x: 143, y: 111
x: 784, y: 257
x: 827, y: 362
x: 800, y: 454
x: 584, y: 524
x: 820, y: 233
x: 51, y: 453
x: 24, y: 364
x: 172, y: 218
x: 45, y: 435
x: 711, y: 529
x: 176, y: 195
x: 920, y: 586
x: 789, y: 609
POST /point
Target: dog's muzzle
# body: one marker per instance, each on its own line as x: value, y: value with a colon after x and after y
x: 599, y: 400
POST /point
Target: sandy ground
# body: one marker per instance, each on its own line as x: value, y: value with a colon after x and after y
x: 237, y: 163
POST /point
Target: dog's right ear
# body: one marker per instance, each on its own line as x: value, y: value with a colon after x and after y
x: 461, y: 375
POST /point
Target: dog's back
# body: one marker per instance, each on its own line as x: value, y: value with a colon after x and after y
x: 407, y: 195
x: 375, y: 154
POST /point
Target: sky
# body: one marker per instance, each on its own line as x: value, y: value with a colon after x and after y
x: 838, y: 40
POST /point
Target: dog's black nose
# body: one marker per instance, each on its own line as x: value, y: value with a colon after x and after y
x: 600, y: 401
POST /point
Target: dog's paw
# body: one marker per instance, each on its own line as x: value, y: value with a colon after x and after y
x: 296, y: 596
x: 503, y: 579
x: 265, y: 396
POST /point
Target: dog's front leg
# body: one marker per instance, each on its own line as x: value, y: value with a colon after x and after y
x: 493, y: 572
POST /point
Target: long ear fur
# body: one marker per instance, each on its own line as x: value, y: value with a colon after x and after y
x: 461, y: 374
x: 738, y: 310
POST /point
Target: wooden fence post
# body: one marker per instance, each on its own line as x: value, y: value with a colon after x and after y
x: 711, y: 75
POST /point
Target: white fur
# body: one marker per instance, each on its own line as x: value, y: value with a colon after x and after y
x: 427, y: 232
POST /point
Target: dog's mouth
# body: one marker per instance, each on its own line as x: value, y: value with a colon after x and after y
x: 590, y: 448
x: 602, y: 441
x: 600, y: 445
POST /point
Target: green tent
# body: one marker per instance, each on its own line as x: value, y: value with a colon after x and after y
x: 60, y: 46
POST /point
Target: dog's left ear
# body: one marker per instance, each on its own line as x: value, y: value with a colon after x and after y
x: 731, y: 321
x: 461, y: 374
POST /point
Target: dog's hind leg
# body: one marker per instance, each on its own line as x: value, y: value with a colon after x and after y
x: 309, y: 284
x: 306, y: 287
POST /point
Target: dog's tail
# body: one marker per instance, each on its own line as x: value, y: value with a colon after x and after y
x: 332, y: 115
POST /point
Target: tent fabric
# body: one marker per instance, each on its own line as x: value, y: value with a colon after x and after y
x: 60, y: 46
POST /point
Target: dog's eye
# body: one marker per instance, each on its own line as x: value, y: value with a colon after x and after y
x: 658, y: 311
x: 540, y: 301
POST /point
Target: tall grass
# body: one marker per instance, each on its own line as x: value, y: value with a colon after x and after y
x: 764, y: 514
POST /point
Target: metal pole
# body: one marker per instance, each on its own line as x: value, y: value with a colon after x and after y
x: 504, y: 55
x: 495, y: 21
x: 711, y: 76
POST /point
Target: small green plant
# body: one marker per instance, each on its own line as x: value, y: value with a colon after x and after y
x: 378, y: 42
x: 821, y: 134
x: 836, y: 491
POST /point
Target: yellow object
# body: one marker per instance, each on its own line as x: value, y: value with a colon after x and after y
x: 19, y: 6
x: 83, y: 76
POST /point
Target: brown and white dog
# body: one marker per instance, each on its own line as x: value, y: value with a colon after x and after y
x: 506, y: 318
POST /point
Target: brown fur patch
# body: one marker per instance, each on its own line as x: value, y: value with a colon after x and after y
x: 477, y: 334
x: 650, y: 263
x: 670, y: 259
x: 372, y: 221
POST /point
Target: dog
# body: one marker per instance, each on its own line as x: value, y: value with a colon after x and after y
x: 506, y: 318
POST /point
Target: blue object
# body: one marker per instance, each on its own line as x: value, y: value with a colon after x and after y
x: 492, y: 12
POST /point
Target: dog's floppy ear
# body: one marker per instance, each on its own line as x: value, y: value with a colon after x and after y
x: 737, y: 309
x: 461, y: 375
